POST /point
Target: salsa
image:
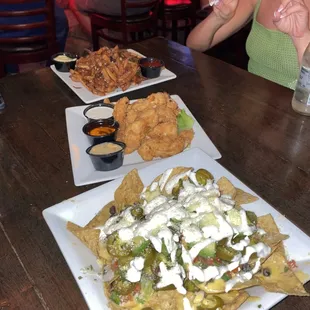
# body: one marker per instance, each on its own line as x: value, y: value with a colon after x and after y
x: 152, y: 63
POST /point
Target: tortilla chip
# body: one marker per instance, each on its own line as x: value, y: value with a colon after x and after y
x: 176, y: 171
x: 213, y: 287
x: 273, y: 237
x: 103, y: 253
x: 89, y: 237
x: 218, y: 286
x: 155, y: 180
x: 242, y: 197
x: 281, y: 279
x: 237, y: 302
x: 247, y: 284
x: 226, y: 187
x: 101, y: 217
x: 168, y: 300
x: 129, y: 191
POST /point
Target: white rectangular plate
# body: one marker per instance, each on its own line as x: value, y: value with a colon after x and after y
x: 82, y: 167
x: 82, y: 208
x: 88, y: 97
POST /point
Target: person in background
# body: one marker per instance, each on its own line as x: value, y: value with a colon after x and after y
x: 81, y: 8
x: 61, y: 21
x: 278, y: 38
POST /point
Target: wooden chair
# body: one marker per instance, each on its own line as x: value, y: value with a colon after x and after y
x: 27, y: 49
x: 126, y: 25
x: 174, y: 14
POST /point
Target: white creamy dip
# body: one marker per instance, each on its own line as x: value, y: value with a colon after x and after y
x: 99, y: 113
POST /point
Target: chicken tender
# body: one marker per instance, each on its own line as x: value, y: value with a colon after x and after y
x: 150, y: 126
x: 131, y: 116
x: 150, y: 117
x: 134, y: 134
x: 164, y: 130
x: 119, y: 113
x: 188, y: 136
x: 171, y: 104
x: 158, y: 98
x: 120, y: 110
x: 166, y: 114
x: 141, y: 105
x: 161, y: 147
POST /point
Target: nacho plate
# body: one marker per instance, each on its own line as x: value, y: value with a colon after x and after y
x: 82, y: 209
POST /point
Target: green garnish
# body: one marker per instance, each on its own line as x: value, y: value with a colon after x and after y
x: 138, y: 251
x: 185, y: 122
x: 115, y: 298
x: 225, y: 277
x: 140, y: 300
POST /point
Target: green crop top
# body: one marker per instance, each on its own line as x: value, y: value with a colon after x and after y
x: 272, y: 54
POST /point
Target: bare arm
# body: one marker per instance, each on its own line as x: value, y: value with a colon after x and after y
x: 221, y: 23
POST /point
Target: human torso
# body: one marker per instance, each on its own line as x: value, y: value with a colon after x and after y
x: 272, y: 53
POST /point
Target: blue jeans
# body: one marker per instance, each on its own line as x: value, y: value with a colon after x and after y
x: 61, y: 21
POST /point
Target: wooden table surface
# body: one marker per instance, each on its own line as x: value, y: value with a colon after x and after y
x: 262, y: 141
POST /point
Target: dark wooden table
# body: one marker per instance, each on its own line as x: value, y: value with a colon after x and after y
x: 262, y: 141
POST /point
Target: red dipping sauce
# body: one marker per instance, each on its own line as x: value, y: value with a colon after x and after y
x: 152, y: 63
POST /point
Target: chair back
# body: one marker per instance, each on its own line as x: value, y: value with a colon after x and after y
x: 153, y: 6
x: 42, y: 11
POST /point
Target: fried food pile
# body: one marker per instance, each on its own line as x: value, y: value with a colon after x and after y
x: 150, y: 126
x: 103, y: 71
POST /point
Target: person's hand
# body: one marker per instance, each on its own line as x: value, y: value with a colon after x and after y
x: 225, y: 9
x: 292, y: 18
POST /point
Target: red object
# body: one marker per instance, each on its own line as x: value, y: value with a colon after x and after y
x: 176, y: 2
x: 292, y: 264
x: 152, y: 64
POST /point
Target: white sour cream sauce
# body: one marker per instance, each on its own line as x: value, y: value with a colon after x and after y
x: 134, y: 272
x: 194, y: 201
x: 99, y: 113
